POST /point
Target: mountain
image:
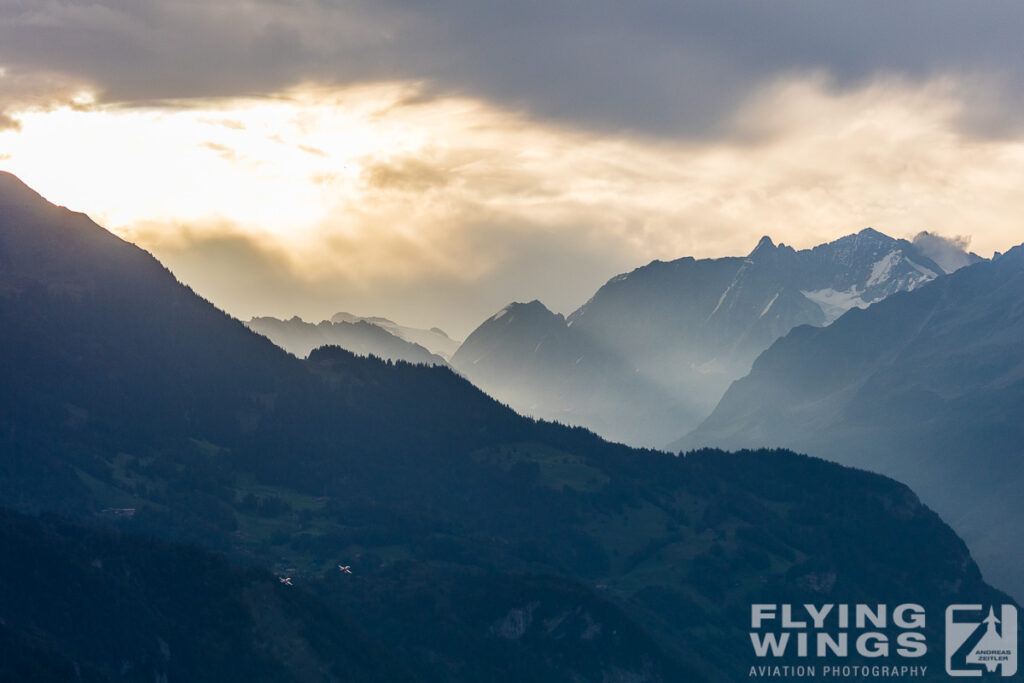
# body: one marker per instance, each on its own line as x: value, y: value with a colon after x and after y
x: 360, y: 336
x: 926, y: 386
x: 483, y: 545
x: 434, y: 340
x: 532, y: 359
x: 80, y: 603
x: 653, y: 350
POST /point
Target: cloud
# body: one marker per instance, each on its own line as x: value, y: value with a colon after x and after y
x: 22, y: 90
x: 408, y: 175
x: 249, y: 275
x: 8, y: 122
x: 223, y: 151
x: 414, y: 159
x: 949, y: 252
x: 313, y: 150
x: 654, y: 66
x: 439, y: 210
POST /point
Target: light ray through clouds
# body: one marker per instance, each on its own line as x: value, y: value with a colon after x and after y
x: 364, y: 197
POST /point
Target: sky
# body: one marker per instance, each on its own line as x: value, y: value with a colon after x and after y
x: 433, y: 161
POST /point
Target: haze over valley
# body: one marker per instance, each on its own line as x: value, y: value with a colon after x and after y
x: 368, y: 486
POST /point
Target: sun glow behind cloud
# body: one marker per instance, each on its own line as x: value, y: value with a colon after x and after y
x: 271, y: 165
x: 368, y: 196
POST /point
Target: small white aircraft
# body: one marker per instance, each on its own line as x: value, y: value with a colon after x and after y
x: 286, y: 580
x: 347, y: 569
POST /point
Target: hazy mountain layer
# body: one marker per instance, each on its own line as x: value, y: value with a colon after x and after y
x: 359, y: 336
x: 927, y: 386
x: 483, y: 546
x: 528, y: 357
x: 434, y: 340
x: 651, y: 353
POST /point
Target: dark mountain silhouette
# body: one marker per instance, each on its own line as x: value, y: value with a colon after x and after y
x: 652, y: 352
x: 361, y: 337
x: 483, y: 545
x: 78, y: 603
x: 927, y: 387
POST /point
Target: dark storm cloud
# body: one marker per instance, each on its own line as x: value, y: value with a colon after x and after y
x: 648, y: 65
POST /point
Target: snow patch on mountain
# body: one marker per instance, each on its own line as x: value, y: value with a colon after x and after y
x: 833, y: 304
x: 721, y: 299
x: 928, y: 273
x: 882, y: 269
x: 768, y: 307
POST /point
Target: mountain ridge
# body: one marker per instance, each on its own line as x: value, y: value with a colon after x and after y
x: 131, y: 403
x: 360, y: 336
x: 660, y: 344
x: 922, y: 387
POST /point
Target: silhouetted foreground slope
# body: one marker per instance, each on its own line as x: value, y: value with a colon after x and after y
x: 926, y: 386
x: 79, y: 603
x: 483, y: 545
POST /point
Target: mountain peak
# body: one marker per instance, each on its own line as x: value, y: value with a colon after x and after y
x: 867, y: 240
x: 533, y: 310
x: 535, y: 304
x: 871, y: 232
x: 14, y: 191
x: 764, y: 244
x: 344, y: 317
x: 9, y: 180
